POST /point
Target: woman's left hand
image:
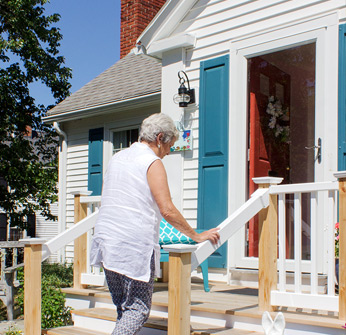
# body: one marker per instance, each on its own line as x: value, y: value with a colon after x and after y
x: 212, y: 235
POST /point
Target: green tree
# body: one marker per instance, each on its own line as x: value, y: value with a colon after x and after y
x: 29, y: 53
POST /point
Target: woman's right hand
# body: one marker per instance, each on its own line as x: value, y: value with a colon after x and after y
x: 212, y: 235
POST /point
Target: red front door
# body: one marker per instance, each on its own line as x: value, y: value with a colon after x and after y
x: 269, y: 102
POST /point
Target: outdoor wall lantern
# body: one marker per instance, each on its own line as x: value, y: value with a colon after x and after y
x: 185, y: 95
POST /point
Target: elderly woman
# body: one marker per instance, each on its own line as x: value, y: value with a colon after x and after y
x: 135, y: 197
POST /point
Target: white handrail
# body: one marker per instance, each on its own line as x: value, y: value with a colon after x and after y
x: 304, y: 187
x: 68, y: 235
x: 258, y: 201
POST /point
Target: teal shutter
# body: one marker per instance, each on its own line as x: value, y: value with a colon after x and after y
x: 213, y: 149
x: 95, y: 164
x: 342, y: 99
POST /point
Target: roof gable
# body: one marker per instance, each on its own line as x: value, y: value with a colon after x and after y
x: 165, y: 21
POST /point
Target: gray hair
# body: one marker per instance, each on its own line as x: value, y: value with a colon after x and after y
x: 156, y: 124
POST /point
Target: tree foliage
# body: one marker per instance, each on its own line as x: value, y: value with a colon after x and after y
x: 29, y: 53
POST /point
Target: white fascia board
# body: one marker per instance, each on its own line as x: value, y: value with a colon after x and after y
x: 179, y: 41
x: 163, y: 24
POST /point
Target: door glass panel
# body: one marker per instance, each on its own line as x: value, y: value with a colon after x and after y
x: 281, y: 100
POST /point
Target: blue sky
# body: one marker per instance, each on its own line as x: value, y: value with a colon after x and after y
x: 91, y: 40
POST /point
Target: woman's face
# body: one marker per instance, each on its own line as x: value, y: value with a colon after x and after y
x: 165, y: 148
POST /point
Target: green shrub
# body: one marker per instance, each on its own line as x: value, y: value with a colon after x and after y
x: 53, y: 310
x: 63, y: 272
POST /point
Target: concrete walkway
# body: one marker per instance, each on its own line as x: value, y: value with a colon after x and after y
x: 5, y: 325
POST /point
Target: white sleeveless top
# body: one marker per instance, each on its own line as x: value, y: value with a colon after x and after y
x: 127, y: 228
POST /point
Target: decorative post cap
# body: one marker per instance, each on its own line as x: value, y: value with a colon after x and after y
x: 267, y: 180
x: 340, y: 174
x: 180, y: 248
x: 33, y: 241
x: 85, y: 192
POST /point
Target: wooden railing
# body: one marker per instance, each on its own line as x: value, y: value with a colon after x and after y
x: 10, y: 255
x: 183, y: 259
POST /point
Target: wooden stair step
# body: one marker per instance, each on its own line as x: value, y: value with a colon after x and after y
x: 227, y: 300
x: 224, y: 331
x: 71, y: 330
x: 153, y: 322
x: 97, y: 313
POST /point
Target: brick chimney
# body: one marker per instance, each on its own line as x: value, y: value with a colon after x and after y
x: 135, y: 16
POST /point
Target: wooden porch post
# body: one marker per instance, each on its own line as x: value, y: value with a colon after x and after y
x: 32, y: 285
x: 81, y: 243
x: 267, y: 248
x: 342, y: 243
x: 179, y: 288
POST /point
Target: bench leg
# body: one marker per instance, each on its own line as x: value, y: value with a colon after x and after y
x: 204, y: 268
x: 165, y: 272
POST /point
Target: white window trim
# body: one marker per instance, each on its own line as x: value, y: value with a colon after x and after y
x: 112, y: 131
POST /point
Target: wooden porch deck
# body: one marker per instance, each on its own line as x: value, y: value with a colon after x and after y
x: 243, y: 301
x: 226, y: 310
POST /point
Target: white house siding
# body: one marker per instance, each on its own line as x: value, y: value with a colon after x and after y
x: 76, y: 170
x: 215, y: 24
x: 190, y: 180
x: 47, y: 229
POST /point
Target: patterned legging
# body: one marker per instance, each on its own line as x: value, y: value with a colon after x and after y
x: 132, y: 299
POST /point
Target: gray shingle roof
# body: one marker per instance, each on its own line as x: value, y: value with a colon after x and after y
x: 132, y: 76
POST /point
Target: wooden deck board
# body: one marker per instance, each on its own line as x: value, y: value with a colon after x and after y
x: 160, y: 323
x: 70, y: 330
x: 232, y: 300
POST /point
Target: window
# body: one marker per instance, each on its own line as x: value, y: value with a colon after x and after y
x: 122, y: 139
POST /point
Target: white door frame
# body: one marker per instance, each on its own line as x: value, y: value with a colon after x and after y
x: 324, y: 32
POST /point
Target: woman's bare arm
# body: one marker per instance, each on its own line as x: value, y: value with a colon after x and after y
x: 157, y: 179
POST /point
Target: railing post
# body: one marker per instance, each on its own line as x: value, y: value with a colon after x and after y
x: 81, y: 243
x: 179, y: 288
x: 32, y: 285
x: 267, y: 248
x: 9, y: 277
x: 342, y: 243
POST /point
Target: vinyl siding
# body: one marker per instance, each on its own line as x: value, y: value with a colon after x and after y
x: 216, y: 23
x: 47, y: 229
x: 190, y: 176
x: 76, y: 172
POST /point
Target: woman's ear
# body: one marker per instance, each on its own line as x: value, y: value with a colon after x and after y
x: 159, y: 138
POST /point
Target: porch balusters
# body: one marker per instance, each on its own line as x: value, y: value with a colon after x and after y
x: 267, y: 248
